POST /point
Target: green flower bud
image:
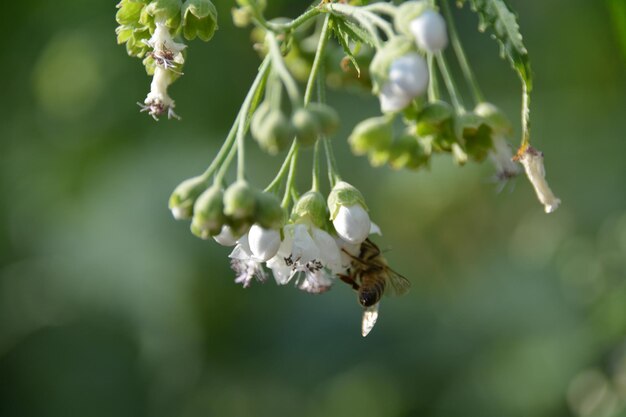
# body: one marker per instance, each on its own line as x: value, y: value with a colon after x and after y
x: 184, y: 197
x: 271, y: 129
x: 474, y: 132
x: 406, y: 13
x: 373, y: 134
x: 208, y: 213
x: 242, y: 17
x: 128, y: 13
x: 495, y: 118
x: 307, y: 126
x: 406, y: 152
x: 257, y: 4
x: 311, y: 208
x: 240, y: 201
x: 167, y: 11
x: 344, y: 194
x: 435, y: 125
x: 392, y: 49
x: 269, y: 213
x: 434, y: 118
x: 379, y: 158
x: 199, y: 19
x: 326, y: 116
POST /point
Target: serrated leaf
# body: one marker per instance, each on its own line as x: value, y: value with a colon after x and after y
x: 343, y: 38
x: 497, y: 16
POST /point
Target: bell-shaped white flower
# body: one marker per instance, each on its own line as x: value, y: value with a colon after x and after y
x: 429, y: 30
x: 245, y: 265
x: 263, y: 243
x: 307, y: 254
x: 408, y: 78
x: 532, y: 160
x: 349, y: 251
x: 352, y: 223
x: 226, y: 237
x: 158, y: 101
x: 410, y: 73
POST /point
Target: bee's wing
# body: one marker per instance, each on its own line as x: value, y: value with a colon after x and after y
x: 370, y: 315
x: 399, y: 285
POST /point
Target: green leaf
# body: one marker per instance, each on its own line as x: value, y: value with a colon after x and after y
x: 343, y: 34
x: 497, y: 16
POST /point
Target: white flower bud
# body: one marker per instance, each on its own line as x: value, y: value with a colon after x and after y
x: 532, y: 160
x: 429, y: 30
x: 264, y: 243
x: 226, y: 237
x: 408, y: 78
x: 410, y: 74
x: 392, y: 99
x: 352, y: 223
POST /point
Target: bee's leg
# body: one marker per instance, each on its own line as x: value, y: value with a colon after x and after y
x: 348, y: 280
x: 375, y: 251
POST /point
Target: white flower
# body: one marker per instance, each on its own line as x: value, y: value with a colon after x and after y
x: 352, y: 223
x: 349, y: 251
x: 263, y: 243
x: 165, y: 51
x: 429, y: 30
x: 410, y: 73
x: 308, y: 254
x: 408, y: 78
x: 502, y: 157
x: 246, y: 267
x: 157, y: 101
x: 532, y: 160
x: 226, y: 237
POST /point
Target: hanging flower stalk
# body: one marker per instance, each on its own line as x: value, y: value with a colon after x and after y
x: 309, y: 239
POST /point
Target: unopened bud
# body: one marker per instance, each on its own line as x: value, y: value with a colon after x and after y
x: 240, y: 201
x: 208, y: 213
x: 184, y: 197
x: 373, y: 134
x: 348, y: 213
x: 269, y: 213
x: 326, y: 116
x: 310, y: 208
x: 199, y: 19
x: 307, y: 126
x: 406, y: 13
x: 271, y: 129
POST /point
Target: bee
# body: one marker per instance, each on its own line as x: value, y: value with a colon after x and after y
x: 371, y: 277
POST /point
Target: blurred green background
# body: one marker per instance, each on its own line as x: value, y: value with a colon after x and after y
x: 109, y: 307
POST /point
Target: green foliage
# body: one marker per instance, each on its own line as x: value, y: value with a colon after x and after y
x: 497, y: 16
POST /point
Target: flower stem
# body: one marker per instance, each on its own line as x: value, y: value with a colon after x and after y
x: 315, y: 185
x: 433, y: 85
x: 279, y: 65
x: 275, y: 184
x: 525, y: 116
x: 291, y: 177
x: 447, y: 78
x: 317, y: 61
x: 283, y: 27
x: 244, y: 116
x: 460, y: 54
x: 219, y: 158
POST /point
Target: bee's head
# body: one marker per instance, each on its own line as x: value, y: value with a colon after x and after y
x: 368, y: 298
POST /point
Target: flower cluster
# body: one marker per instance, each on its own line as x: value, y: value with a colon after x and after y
x: 397, y: 52
x: 304, y: 247
x: 148, y: 29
